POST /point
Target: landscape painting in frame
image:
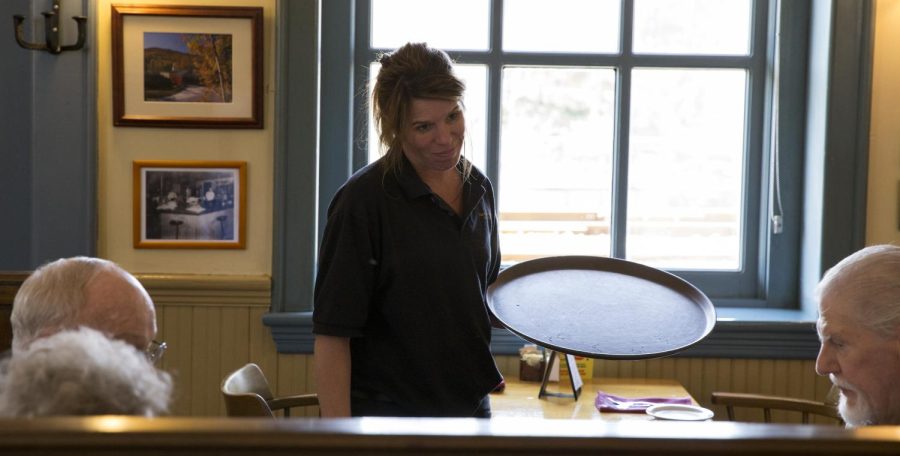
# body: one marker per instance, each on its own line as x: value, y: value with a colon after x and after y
x: 187, y: 66
x: 189, y: 204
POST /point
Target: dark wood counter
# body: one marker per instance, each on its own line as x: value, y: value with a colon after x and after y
x: 203, y: 436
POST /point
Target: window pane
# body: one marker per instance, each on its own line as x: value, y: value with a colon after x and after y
x: 561, y: 26
x: 556, y: 145
x: 475, y: 100
x: 717, y: 27
x: 460, y: 24
x: 685, y: 168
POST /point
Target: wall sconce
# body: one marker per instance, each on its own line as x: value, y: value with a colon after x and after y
x: 51, y: 26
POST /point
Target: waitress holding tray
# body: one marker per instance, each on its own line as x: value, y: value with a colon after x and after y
x: 410, y: 246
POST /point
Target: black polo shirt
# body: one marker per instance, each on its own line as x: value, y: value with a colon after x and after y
x: 406, y: 278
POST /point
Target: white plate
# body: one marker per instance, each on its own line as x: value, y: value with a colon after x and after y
x: 679, y: 412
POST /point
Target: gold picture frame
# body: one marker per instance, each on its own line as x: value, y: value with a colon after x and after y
x: 187, y: 66
x: 190, y: 204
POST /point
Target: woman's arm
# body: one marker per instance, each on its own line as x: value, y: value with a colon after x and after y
x: 332, y: 369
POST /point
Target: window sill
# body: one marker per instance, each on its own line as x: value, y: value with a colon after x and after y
x: 739, y: 333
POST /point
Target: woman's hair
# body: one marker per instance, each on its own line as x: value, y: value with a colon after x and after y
x: 415, y: 70
x: 52, y: 296
x: 871, y: 277
x: 82, y: 372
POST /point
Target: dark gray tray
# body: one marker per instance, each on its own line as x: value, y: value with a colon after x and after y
x: 601, y: 307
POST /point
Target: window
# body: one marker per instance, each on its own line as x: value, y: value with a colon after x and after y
x: 632, y: 129
x: 823, y: 119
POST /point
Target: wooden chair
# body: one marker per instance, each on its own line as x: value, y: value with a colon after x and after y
x: 769, y: 403
x: 246, y: 393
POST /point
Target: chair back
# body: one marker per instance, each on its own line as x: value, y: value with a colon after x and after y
x: 246, y: 392
x: 767, y: 403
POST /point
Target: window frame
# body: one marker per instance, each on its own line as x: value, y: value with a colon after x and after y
x: 746, y: 287
x: 831, y: 144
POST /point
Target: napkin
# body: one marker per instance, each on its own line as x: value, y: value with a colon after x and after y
x: 606, y: 402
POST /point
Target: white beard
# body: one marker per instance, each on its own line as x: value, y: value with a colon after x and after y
x: 860, y: 414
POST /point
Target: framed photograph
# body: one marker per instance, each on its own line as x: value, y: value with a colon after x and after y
x: 190, y: 204
x: 187, y: 66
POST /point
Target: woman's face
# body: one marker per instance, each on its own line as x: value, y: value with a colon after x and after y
x: 432, y: 140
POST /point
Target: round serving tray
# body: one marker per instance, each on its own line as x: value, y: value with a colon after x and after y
x: 601, y: 307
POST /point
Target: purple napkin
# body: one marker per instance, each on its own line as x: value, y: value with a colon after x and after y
x: 606, y: 402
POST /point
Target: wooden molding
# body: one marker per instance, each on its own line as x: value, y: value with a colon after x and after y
x: 214, y: 290
x: 172, y: 289
x: 9, y: 285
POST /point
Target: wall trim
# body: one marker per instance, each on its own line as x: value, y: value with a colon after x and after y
x: 190, y: 290
x: 292, y: 333
x: 296, y: 177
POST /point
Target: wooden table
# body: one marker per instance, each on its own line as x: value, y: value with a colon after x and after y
x: 520, y: 399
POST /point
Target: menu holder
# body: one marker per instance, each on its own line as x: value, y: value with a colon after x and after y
x: 574, y: 377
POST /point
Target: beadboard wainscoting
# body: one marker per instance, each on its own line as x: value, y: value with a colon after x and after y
x: 213, y: 326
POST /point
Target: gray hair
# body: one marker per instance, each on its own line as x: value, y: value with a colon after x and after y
x: 871, y: 277
x: 50, y: 298
x: 82, y: 372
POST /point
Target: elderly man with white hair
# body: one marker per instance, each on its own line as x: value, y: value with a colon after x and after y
x: 82, y: 372
x: 859, y: 326
x: 83, y: 291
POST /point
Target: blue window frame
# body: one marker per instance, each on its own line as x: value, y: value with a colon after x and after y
x: 823, y: 120
x: 746, y: 283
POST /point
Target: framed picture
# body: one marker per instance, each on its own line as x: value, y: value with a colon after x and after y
x: 190, y: 204
x: 187, y: 66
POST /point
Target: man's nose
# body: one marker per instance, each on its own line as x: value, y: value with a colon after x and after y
x: 825, y: 362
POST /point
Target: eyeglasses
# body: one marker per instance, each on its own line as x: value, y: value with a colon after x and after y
x: 155, y: 351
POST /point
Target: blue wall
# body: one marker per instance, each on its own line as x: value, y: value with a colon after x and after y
x: 48, y: 134
x: 15, y: 134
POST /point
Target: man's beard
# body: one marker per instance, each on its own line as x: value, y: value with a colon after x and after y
x: 861, y: 413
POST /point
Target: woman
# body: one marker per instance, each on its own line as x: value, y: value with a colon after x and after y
x: 410, y: 246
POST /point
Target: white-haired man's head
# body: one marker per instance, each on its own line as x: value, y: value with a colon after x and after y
x: 859, y: 327
x: 82, y: 372
x: 82, y: 291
